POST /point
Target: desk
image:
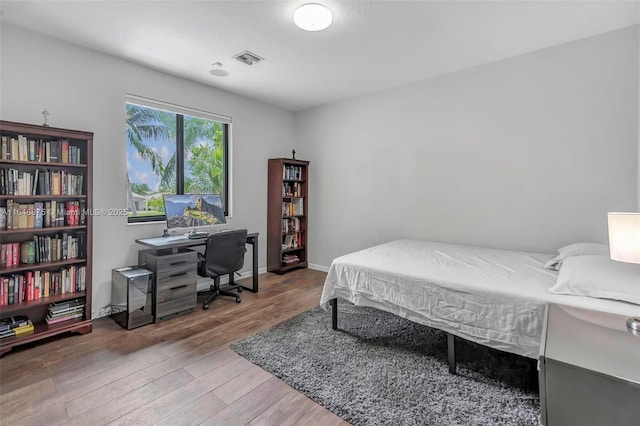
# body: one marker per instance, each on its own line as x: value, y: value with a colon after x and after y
x: 175, y: 242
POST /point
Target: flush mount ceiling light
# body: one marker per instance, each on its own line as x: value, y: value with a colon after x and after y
x: 312, y: 17
x: 217, y: 71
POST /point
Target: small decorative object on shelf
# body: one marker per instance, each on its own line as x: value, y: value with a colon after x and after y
x: 287, y: 214
x: 45, y: 114
x: 293, y: 154
x: 46, y: 233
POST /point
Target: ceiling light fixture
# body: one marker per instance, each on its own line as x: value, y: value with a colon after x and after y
x: 217, y: 71
x: 312, y: 17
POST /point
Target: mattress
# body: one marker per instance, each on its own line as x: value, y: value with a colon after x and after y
x: 493, y: 297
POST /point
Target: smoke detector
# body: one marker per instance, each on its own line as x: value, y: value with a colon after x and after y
x: 248, y: 58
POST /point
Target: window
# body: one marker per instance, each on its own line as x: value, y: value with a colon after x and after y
x: 173, y: 150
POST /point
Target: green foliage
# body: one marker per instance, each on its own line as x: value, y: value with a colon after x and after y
x: 206, y: 165
x: 140, y: 188
x: 156, y: 203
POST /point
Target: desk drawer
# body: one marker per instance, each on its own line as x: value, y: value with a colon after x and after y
x: 178, y: 299
x: 176, y: 263
x: 176, y: 279
x: 177, y: 292
x: 166, y: 264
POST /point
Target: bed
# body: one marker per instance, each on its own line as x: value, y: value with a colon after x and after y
x: 493, y: 297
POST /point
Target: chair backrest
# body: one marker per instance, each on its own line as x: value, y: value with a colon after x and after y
x: 225, y: 252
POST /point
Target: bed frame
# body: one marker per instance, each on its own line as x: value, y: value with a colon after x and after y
x: 451, y: 339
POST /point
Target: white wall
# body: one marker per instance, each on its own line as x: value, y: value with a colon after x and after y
x: 527, y: 153
x: 85, y: 90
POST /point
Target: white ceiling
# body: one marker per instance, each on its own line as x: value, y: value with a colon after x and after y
x: 371, y: 45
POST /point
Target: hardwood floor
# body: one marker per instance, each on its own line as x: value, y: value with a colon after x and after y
x: 179, y: 372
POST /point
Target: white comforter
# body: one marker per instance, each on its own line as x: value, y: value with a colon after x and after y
x: 493, y: 297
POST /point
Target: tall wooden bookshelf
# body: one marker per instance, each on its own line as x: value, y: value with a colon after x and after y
x: 287, y: 210
x: 54, y: 187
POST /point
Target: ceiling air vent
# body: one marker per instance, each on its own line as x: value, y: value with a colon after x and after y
x: 248, y: 58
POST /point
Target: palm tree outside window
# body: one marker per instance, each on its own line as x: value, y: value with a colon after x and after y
x: 172, y: 153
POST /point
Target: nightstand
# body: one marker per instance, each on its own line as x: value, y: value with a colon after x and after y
x: 589, y: 369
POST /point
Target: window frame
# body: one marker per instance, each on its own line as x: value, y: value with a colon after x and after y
x: 180, y: 113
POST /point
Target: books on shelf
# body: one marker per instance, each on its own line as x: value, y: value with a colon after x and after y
x: 40, y: 182
x: 291, y: 189
x: 291, y: 241
x: 295, y: 207
x: 290, y: 225
x: 13, y: 322
x: 34, y: 285
x: 14, y: 326
x: 291, y: 172
x: 65, y: 311
x: 44, y: 249
x: 290, y: 258
x: 22, y: 148
x: 43, y: 214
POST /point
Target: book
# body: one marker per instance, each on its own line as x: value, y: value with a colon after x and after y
x: 65, y: 151
x: 288, y: 242
x: 28, y: 252
x: 38, y: 214
x: 67, y: 303
x: 66, y: 311
x: 62, y: 319
x: 23, y: 329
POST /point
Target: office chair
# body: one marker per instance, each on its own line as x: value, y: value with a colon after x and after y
x: 224, y: 254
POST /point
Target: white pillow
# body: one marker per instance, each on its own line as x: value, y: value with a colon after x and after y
x: 576, y: 249
x: 599, y: 276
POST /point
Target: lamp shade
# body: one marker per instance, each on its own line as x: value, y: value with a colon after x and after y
x: 624, y: 236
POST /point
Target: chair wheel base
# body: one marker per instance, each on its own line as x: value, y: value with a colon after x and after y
x: 205, y: 307
x: 239, y: 289
x: 238, y: 300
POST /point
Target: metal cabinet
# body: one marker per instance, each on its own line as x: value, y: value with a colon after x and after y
x: 132, y: 296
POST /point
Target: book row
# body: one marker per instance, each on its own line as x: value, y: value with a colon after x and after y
x: 290, y: 225
x: 292, y: 172
x: 43, y: 214
x: 33, y: 285
x: 295, y: 207
x: 44, y: 249
x: 25, y: 149
x: 291, y: 189
x: 40, y: 182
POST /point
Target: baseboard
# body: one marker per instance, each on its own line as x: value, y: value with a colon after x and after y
x: 318, y: 267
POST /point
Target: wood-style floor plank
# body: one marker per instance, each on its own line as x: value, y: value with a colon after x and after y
x: 178, y: 372
x: 252, y: 404
x: 286, y: 411
x: 195, y: 412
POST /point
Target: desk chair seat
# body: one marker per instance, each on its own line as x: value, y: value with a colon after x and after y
x: 224, y: 254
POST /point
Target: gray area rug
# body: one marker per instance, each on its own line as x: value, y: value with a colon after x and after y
x: 380, y: 369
